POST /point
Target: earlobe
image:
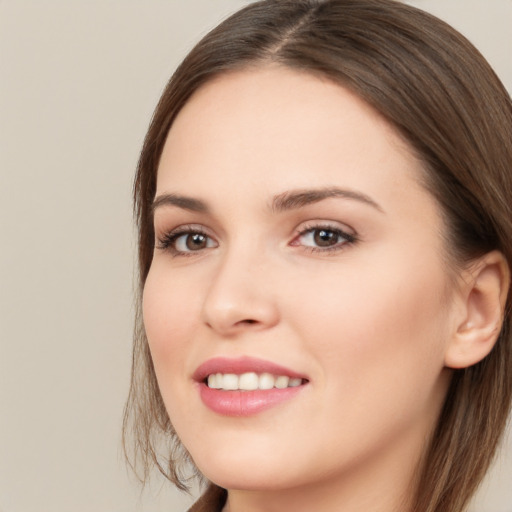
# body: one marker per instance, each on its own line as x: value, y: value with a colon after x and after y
x: 483, y: 294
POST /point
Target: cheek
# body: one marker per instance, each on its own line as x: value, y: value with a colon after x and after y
x: 377, y: 326
x: 168, y: 320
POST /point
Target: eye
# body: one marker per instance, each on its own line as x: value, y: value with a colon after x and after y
x: 185, y: 241
x: 192, y: 242
x: 323, y: 238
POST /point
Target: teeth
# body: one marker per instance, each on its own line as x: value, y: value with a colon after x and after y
x: 294, y: 383
x: 267, y: 381
x: 229, y: 381
x: 282, y: 382
x: 212, y: 381
x: 250, y: 381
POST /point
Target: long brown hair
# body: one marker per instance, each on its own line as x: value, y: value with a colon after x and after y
x: 440, y: 94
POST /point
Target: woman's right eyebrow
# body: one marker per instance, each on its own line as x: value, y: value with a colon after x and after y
x: 185, y: 202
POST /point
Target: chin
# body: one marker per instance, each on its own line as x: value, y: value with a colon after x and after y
x: 243, y: 473
x: 269, y: 482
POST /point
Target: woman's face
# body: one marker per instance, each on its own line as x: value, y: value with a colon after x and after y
x: 294, y: 240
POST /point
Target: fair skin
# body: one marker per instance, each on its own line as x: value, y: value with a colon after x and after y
x: 346, y: 286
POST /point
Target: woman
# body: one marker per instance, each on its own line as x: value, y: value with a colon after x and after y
x: 325, y: 238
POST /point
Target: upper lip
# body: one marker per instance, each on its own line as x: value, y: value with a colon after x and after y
x: 242, y: 365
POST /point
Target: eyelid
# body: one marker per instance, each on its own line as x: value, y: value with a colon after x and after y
x: 325, y: 224
x: 348, y: 234
x: 167, y: 239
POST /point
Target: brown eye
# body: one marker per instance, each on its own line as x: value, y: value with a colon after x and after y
x: 196, y: 241
x: 325, y: 237
x: 187, y: 242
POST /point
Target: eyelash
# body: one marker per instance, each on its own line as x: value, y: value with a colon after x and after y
x: 348, y: 239
x: 168, y: 241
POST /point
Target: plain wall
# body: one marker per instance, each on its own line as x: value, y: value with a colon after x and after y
x: 78, y: 82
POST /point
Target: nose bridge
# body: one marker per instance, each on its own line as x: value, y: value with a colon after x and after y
x: 239, y: 296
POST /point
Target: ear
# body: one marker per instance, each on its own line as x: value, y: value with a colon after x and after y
x: 483, y: 294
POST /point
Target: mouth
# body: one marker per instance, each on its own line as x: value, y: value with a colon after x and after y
x: 251, y: 381
x: 246, y: 386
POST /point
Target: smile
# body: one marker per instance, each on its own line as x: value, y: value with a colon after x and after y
x: 246, y: 386
x: 251, y: 381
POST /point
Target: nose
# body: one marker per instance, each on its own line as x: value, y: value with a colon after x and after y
x: 241, y: 297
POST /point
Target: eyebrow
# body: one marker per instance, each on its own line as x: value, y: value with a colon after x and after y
x: 298, y: 198
x: 187, y: 203
x: 285, y: 201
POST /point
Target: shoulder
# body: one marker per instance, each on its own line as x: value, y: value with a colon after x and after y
x: 212, y: 500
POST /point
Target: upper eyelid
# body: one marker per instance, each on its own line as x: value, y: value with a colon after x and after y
x: 328, y: 224
x: 302, y: 226
x: 343, y: 232
x: 188, y: 228
x: 164, y: 224
x: 184, y: 228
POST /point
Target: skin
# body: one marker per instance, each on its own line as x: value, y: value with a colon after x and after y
x: 369, y: 321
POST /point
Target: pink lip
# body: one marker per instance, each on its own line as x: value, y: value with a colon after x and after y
x: 243, y: 403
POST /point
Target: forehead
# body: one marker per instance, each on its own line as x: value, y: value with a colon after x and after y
x: 272, y: 128
x: 278, y: 104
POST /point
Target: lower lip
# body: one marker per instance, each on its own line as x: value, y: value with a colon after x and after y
x: 245, y: 403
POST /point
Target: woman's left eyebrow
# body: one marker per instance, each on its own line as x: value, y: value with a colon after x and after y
x: 293, y: 199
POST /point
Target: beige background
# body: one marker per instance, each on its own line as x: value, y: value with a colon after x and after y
x: 78, y: 82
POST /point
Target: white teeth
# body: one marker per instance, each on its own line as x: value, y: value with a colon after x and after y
x: 266, y: 381
x: 250, y: 381
x: 212, y: 381
x: 229, y: 381
x: 294, y: 383
x: 282, y: 382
